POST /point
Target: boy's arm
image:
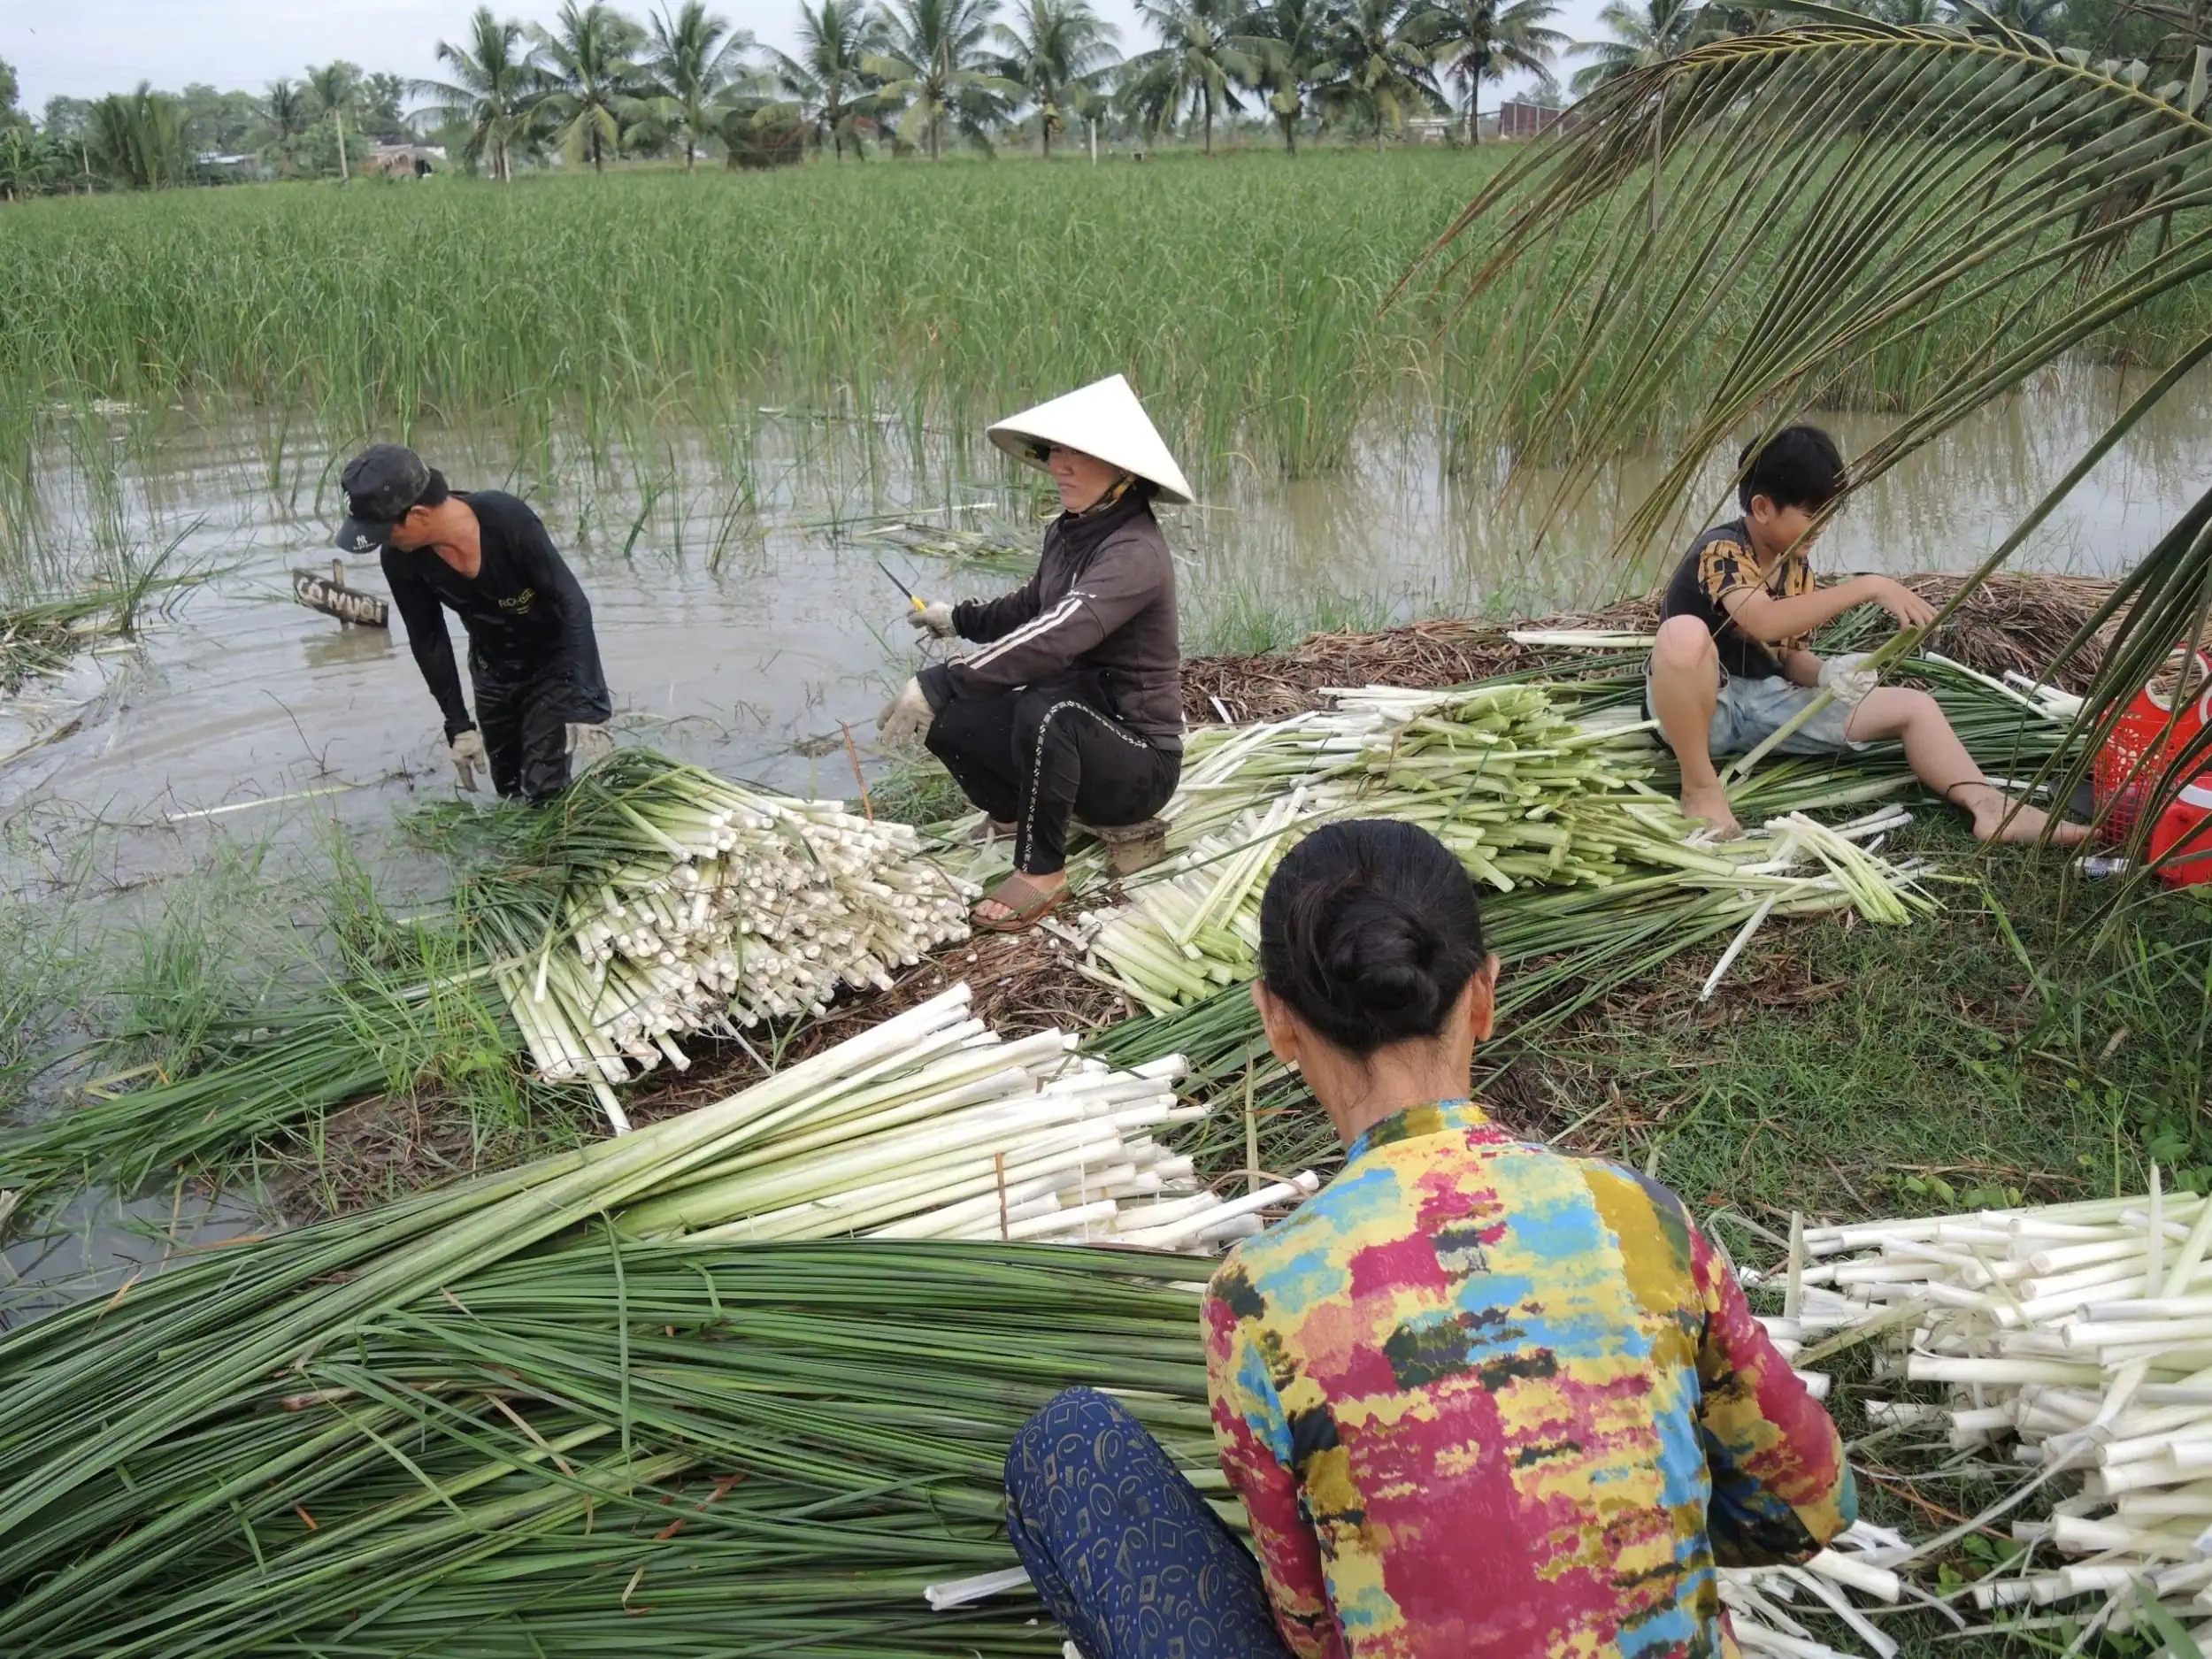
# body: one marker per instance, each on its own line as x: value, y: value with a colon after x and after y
x: 1760, y: 615
x: 1801, y: 668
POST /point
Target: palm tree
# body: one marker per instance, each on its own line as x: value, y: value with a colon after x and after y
x: 1642, y: 35
x: 1383, y: 53
x: 696, y: 60
x: 1054, y: 52
x: 2019, y: 196
x: 829, y: 77
x: 1203, y: 55
x: 591, y: 80
x: 933, y: 67
x: 138, y: 140
x: 285, y: 117
x: 1488, y: 39
x: 490, y: 92
x: 1291, y: 42
x: 332, y: 90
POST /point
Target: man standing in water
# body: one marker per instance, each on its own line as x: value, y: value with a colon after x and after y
x: 541, y: 699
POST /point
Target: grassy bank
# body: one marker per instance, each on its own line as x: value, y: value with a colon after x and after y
x: 1999, y: 1054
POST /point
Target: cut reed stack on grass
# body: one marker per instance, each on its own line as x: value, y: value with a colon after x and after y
x: 680, y: 902
x: 2074, y: 1339
x: 1564, y: 945
x: 657, y: 901
x: 498, y: 1420
x: 570, y: 1405
x: 1527, y: 798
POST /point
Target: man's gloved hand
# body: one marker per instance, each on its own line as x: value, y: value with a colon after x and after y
x: 1848, y: 677
x: 588, y: 743
x: 934, y: 618
x: 467, y: 751
x: 905, y: 718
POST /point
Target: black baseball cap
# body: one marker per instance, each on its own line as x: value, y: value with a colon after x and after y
x: 382, y: 484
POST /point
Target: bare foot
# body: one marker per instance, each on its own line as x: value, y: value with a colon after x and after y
x: 992, y: 830
x: 1997, y: 817
x: 1709, y: 804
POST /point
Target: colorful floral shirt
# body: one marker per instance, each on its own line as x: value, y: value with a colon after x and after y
x: 1482, y: 1398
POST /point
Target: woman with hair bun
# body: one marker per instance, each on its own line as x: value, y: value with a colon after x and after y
x: 1477, y: 1397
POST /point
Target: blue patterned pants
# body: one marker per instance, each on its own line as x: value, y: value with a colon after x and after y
x: 1123, y: 1549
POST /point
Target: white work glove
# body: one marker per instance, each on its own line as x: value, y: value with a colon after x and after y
x: 905, y: 718
x: 588, y: 743
x: 1848, y: 677
x: 935, y: 618
x: 467, y: 753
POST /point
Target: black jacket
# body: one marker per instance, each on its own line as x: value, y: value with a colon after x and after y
x: 1100, y: 601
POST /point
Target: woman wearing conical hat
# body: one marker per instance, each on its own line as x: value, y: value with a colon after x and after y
x: 1071, y: 706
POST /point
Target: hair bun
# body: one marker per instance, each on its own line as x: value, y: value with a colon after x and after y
x: 1383, y: 955
x: 1370, y: 931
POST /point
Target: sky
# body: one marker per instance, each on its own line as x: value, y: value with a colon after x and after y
x: 82, y: 49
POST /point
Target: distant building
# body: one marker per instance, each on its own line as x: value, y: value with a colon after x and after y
x: 1433, y: 129
x: 403, y: 160
x: 218, y: 167
x: 1530, y: 120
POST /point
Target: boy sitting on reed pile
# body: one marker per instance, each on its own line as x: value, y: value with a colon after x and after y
x: 1730, y: 667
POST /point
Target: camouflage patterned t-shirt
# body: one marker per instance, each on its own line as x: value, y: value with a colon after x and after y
x: 1481, y: 1399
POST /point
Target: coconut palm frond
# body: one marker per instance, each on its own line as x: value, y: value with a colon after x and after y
x: 1765, y: 215
x: 1760, y: 224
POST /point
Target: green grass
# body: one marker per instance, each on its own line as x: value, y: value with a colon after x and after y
x: 1991, y: 1055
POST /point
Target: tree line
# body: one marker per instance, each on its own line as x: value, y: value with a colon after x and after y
x: 906, y: 76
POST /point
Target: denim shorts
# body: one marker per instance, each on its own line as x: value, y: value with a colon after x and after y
x: 1749, y: 712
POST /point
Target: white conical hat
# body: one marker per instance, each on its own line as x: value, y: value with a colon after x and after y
x: 1104, y: 419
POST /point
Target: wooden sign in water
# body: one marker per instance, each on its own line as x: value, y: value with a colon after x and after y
x: 330, y: 594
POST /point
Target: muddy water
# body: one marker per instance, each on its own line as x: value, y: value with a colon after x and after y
x: 744, y: 623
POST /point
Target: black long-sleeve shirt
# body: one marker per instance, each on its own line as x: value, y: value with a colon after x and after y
x: 524, y: 613
x: 1103, y: 601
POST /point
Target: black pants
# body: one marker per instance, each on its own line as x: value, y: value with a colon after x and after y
x: 524, y: 718
x: 1048, y: 752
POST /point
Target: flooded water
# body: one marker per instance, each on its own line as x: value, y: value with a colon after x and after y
x: 744, y: 623
x: 744, y: 620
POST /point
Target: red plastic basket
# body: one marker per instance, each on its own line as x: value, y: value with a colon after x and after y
x: 2163, y: 716
x: 2181, y: 839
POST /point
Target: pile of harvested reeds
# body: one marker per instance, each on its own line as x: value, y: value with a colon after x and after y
x: 658, y: 901
x: 679, y: 901
x: 2014, y: 622
x: 2075, y: 1339
x: 1527, y: 798
x: 499, y: 1415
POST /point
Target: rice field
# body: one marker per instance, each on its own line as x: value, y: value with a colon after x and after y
x: 1246, y: 296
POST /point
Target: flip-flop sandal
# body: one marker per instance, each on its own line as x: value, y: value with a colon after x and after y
x: 1028, y: 906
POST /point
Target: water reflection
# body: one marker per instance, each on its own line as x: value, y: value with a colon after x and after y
x: 742, y: 625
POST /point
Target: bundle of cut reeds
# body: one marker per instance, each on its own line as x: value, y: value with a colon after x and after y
x: 2074, y: 1341
x: 688, y: 904
x: 502, y: 1417
x: 1525, y: 797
